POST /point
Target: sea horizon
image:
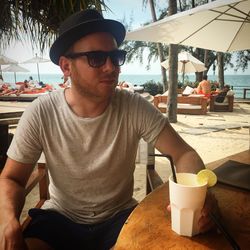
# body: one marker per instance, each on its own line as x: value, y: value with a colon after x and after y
x: 237, y: 82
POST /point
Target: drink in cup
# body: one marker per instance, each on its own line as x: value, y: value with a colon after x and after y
x: 187, y: 198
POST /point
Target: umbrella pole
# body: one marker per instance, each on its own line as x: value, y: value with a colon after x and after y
x: 15, y: 76
x: 183, y: 73
x: 38, y: 72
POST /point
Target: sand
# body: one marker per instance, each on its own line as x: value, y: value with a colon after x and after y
x: 214, y: 136
x: 203, y: 134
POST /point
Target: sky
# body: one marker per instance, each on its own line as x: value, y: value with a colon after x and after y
x: 121, y: 10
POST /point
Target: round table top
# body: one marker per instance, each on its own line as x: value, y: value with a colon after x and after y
x: 149, y: 225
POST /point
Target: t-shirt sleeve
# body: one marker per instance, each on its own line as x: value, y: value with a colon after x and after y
x: 25, y: 146
x: 147, y: 120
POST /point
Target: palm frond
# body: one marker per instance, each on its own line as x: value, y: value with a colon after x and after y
x: 39, y: 20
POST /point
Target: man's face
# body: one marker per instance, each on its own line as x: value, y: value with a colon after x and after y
x: 97, y: 82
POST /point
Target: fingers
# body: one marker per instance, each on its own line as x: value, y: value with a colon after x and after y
x: 211, y: 206
x: 169, y: 208
x: 205, y: 224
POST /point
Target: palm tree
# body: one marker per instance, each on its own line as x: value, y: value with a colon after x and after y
x: 173, y: 72
x: 220, y: 62
x: 159, y: 45
x: 37, y: 20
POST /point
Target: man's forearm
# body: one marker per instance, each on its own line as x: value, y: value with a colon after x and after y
x: 12, y: 197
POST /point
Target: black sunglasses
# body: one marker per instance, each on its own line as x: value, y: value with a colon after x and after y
x: 97, y: 59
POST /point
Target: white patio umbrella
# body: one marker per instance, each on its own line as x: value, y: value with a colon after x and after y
x: 222, y: 25
x: 15, y: 68
x: 186, y: 64
x: 4, y: 60
x: 37, y: 60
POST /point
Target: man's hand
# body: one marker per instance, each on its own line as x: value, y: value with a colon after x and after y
x: 211, y: 206
x: 11, y: 236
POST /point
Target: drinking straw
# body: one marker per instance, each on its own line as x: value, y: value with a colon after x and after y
x: 215, y: 219
x: 171, y: 164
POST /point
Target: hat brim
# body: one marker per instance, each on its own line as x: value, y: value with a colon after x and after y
x: 69, y: 37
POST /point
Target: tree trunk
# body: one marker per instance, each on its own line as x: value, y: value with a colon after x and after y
x: 163, y: 70
x: 159, y: 48
x: 220, y: 62
x: 173, y: 79
x: 198, y: 53
x: 173, y: 75
x: 205, y: 62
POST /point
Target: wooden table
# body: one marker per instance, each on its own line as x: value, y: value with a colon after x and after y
x: 149, y: 225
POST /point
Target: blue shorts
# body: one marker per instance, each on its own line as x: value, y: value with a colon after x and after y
x: 63, y: 234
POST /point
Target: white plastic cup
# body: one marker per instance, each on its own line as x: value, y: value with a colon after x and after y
x: 187, y: 199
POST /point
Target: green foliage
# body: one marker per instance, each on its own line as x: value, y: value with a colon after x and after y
x: 242, y: 60
x: 153, y: 88
x: 190, y: 84
x: 214, y: 85
x: 37, y: 20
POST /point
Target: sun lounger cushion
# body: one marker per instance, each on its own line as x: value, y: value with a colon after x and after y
x: 185, y: 104
x: 188, y: 90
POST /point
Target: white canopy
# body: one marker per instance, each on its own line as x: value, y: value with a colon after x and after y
x: 15, y: 68
x: 187, y: 63
x: 4, y: 60
x: 222, y: 25
x: 37, y: 60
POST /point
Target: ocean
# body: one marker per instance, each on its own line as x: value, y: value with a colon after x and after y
x: 238, y: 82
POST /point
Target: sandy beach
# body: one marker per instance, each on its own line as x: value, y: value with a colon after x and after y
x: 214, y: 136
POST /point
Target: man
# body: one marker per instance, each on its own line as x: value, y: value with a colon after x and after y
x: 89, y: 134
x: 223, y: 93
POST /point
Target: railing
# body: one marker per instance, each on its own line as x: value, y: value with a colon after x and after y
x: 241, y: 91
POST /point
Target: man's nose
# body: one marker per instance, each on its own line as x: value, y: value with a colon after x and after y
x: 109, y: 66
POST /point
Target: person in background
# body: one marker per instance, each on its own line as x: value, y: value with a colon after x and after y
x: 223, y: 93
x: 204, y: 87
x: 22, y: 88
x: 1, y: 81
x: 31, y: 81
x: 33, y: 84
x: 126, y: 85
x: 42, y: 84
x: 89, y: 134
x: 7, y: 89
x: 67, y: 82
x: 1, y: 84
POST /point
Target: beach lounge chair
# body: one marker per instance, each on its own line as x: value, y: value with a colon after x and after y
x: 192, y: 104
x: 226, y: 106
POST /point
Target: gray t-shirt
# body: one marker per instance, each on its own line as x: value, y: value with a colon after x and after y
x: 91, y: 161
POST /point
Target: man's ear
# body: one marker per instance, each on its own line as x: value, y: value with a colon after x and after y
x: 64, y: 64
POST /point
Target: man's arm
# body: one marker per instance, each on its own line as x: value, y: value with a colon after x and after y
x: 184, y: 156
x: 12, y: 196
x: 186, y: 160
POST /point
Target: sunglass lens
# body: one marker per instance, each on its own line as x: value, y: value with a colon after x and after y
x: 96, y: 59
x: 118, y: 57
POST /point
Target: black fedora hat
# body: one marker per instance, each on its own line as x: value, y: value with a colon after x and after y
x: 81, y: 24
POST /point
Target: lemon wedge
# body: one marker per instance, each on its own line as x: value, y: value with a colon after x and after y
x: 207, y: 176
